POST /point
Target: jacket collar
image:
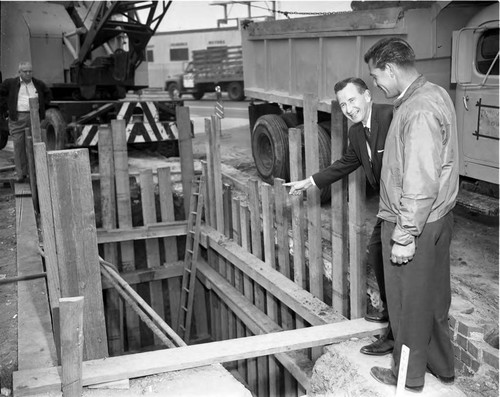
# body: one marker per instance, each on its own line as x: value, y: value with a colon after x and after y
x: 419, y: 82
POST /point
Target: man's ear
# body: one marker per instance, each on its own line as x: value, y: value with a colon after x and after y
x: 368, y: 95
x: 391, y: 69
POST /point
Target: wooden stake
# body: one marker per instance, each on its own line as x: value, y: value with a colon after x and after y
x: 71, y: 310
x: 185, y: 152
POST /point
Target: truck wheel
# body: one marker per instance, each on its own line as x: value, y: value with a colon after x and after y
x: 235, y: 91
x: 198, y: 95
x: 172, y: 88
x: 324, y: 154
x: 55, y: 129
x: 270, y: 147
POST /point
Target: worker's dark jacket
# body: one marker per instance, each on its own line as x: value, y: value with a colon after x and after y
x: 357, y: 152
x: 9, y: 91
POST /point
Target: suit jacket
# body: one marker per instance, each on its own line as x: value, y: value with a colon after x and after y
x: 9, y: 92
x: 357, y: 152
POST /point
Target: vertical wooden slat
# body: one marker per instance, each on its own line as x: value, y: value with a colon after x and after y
x: 248, y: 289
x: 124, y: 209
x: 71, y: 310
x: 228, y: 232
x: 357, y: 183
x: 185, y: 152
x: 270, y: 260
x: 36, y: 131
x: 114, y: 306
x: 216, y: 159
x: 31, y: 169
x: 152, y: 244
x: 313, y: 196
x: 49, y: 239
x: 340, y: 292
x: 167, y: 212
x: 76, y: 241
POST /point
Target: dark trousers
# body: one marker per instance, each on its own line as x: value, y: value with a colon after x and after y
x: 419, y: 297
x: 17, y: 132
x: 375, y: 261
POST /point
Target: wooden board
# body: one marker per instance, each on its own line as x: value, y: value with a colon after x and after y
x: 142, y: 364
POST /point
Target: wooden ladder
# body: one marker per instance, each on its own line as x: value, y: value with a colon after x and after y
x: 190, y: 257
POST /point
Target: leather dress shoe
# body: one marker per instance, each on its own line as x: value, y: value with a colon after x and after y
x: 380, y: 347
x: 447, y: 380
x: 385, y: 376
x: 377, y: 317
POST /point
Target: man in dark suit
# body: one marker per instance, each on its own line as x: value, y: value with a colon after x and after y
x: 14, y: 98
x: 366, y: 148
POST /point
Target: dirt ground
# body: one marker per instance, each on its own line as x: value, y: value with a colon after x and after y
x: 474, y: 263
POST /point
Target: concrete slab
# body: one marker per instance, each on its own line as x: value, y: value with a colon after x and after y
x: 344, y: 371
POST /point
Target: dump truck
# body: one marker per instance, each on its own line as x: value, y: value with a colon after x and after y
x: 90, y: 54
x: 456, y: 46
x: 215, y: 66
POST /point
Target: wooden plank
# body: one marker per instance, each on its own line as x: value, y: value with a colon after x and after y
x: 210, y: 199
x: 340, y: 292
x: 217, y: 181
x: 114, y: 306
x: 152, y: 245
x: 302, y: 302
x: 313, y: 196
x: 31, y: 169
x: 47, y: 223
x: 270, y: 260
x: 157, y: 230
x: 185, y: 152
x: 124, y: 209
x: 228, y: 232
x: 357, y: 274
x: 167, y: 211
x: 167, y: 271
x: 71, y: 310
x: 149, y: 363
x: 35, y: 120
x: 76, y: 241
x: 36, y: 348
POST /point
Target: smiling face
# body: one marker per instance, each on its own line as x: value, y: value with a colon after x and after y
x: 384, y: 79
x: 354, y: 104
x: 25, y: 71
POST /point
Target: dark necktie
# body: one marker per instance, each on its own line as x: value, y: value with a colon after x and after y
x: 368, y: 135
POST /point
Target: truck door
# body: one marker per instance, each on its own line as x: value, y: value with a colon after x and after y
x: 475, y: 70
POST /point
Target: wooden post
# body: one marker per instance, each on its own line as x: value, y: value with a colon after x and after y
x: 124, y: 208
x: 76, y: 241
x: 31, y: 169
x: 357, y: 185
x: 167, y: 211
x: 217, y: 181
x: 114, y: 306
x: 152, y: 245
x: 35, y: 120
x: 340, y: 292
x: 71, y: 345
x: 49, y: 239
x: 186, y: 152
x: 313, y: 196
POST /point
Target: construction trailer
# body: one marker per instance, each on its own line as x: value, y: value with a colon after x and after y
x: 456, y: 47
x: 91, y: 55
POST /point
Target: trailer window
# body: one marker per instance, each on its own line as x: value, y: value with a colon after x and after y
x: 487, y: 49
x: 150, y: 56
x: 179, y: 54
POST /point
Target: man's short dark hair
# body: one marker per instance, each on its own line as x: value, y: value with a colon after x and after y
x: 391, y: 50
x: 362, y: 87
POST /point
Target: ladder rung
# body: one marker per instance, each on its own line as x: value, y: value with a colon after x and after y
x: 181, y: 327
x: 192, y: 232
x: 190, y: 251
x: 184, y: 308
x: 187, y: 270
x: 195, y: 194
x: 194, y: 212
x: 186, y: 289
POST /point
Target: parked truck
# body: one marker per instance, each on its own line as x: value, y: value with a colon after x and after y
x: 456, y: 46
x: 215, y: 66
x: 90, y: 54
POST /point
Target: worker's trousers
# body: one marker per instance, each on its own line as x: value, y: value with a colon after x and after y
x: 418, y: 298
x: 18, y: 136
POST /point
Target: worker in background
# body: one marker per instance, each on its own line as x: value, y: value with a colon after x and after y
x: 14, y: 99
x: 366, y: 149
x: 418, y: 189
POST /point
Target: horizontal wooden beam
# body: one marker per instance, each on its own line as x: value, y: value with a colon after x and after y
x: 146, y: 275
x: 156, y: 230
x: 297, y: 363
x: 307, y: 306
x: 43, y: 380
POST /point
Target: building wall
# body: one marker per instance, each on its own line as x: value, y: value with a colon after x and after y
x: 170, y: 52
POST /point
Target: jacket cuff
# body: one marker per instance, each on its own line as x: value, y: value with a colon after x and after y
x: 401, y: 236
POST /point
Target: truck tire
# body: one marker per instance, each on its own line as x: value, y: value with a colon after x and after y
x: 171, y: 88
x: 235, y: 91
x: 291, y: 120
x: 55, y: 129
x: 324, y: 154
x: 198, y: 95
x: 270, y: 147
